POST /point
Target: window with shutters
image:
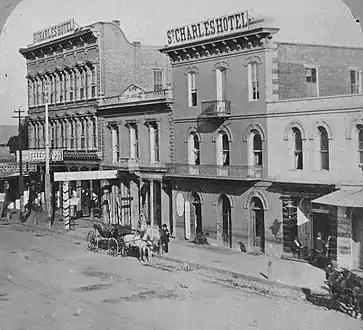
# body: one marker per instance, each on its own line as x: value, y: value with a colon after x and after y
x: 253, y: 84
x: 158, y: 80
x: 192, y: 90
x: 355, y: 81
x: 312, y: 85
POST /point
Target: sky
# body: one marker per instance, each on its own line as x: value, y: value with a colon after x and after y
x: 141, y: 20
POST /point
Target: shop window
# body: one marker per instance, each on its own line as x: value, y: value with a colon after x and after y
x: 253, y: 83
x: 355, y: 81
x: 312, y: 89
x: 158, y: 80
x: 324, y: 149
x: 192, y: 90
x: 298, y: 149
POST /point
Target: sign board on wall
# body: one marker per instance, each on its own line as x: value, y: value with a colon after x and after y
x: 85, y: 175
x: 180, y: 204
x: 209, y: 28
x: 38, y: 155
x: 15, y: 168
x: 187, y: 220
x: 55, y: 31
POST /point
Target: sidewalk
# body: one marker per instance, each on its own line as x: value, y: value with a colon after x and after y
x: 284, y: 273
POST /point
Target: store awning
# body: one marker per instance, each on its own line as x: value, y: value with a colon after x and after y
x: 4, y: 175
x: 347, y: 198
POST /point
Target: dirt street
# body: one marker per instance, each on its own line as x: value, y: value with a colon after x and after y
x: 50, y: 283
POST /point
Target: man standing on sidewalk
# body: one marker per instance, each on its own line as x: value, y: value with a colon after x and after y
x: 165, y: 238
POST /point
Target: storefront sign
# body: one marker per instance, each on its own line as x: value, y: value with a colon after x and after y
x: 344, y: 227
x: 54, y: 31
x: 209, y: 28
x: 38, y: 155
x: 85, y: 175
x: 187, y: 220
x: 180, y: 204
x: 15, y: 168
x: 344, y: 246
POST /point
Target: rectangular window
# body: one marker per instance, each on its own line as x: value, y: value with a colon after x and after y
x: 355, y: 81
x: 65, y: 134
x: 221, y: 76
x: 158, y: 80
x: 94, y: 129
x: 93, y: 88
x: 83, y: 135
x: 72, y: 135
x: 253, y: 85
x: 134, y: 141
x: 82, y: 78
x: 51, y: 90
x: 34, y: 88
x: 154, y: 142
x: 61, y: 88
x: 52, y: 145
x: 192, y: 90
x: 71, y: 86
x: 312, y: 82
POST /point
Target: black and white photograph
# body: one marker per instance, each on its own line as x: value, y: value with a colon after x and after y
x: 181, y: 164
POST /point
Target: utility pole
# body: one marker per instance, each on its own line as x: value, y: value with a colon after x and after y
x: 47, y: 185
x: 19, y: 116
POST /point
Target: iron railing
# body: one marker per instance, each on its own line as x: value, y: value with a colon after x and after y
x: 235, y: 171
x: 219, y: 108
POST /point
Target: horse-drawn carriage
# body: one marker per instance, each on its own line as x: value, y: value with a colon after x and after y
x: 121, y: 240
x: 346, y: 290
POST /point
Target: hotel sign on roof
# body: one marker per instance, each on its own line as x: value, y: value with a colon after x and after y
x: 223, y: 25
x: 54, y: 31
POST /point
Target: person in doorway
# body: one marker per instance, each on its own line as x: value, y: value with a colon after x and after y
x: 319, y: 249
x: 296, y: 247
x: 165, y: 238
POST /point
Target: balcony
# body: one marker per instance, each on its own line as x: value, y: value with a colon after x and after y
x: 215, y: 171
x: 217, y: 108
x: 135, y: 165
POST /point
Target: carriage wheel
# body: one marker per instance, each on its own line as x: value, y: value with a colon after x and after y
x: 112, y: 247
x: 91, y: 241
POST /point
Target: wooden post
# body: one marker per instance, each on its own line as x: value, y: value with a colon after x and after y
x: 91, y: 201
x: 65, y: 203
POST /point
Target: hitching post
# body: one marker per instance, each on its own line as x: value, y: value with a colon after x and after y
x: 65, y: 205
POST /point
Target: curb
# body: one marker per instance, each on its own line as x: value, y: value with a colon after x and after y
x: 194, y: 265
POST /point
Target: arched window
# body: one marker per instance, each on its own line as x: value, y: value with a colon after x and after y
x: 298, y: 149
x: 257, y: 149
x: 225, y: 150
x: 324, y: 148
x: 360, y: 144
x: 194, y: 149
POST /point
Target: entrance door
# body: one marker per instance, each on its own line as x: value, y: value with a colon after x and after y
x: 258, y: 218
x: 226, y: 221
x: 197, y: 213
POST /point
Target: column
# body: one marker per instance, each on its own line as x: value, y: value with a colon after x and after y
x: 66, y: 215
x: 59, y: 197
x: 165, y: 205
x: 151, y: 202
x: 79, y: 195
x: 135, y: 206
x: 114, y: 145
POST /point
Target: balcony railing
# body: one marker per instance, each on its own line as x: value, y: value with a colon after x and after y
x: 165, y: 95
x: 234, y: 171
x: 134, y: 164
x: 217, y: 108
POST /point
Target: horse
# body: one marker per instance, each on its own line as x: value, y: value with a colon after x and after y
x: 138, y: 241
x: 153, y: 235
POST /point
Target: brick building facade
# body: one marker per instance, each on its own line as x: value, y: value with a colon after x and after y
x: 260, y: 129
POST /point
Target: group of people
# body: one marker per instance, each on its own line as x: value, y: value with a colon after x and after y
x: 321, y: 246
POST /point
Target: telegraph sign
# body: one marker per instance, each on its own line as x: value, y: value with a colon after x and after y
x: 38, y: 155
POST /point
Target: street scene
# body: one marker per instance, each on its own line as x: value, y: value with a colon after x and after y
x: 50, y: 283
x: 202, y: 169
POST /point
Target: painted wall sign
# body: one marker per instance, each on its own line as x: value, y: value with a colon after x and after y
x: 14, y: 168
x: 38, y: 155
x: 187, y: 220
x: 180, y: 204
x: 209, y: 28
x: 85, y: 175
x: 54, y: 31
x: 344, y: 246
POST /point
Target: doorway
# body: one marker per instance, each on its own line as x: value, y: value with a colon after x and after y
x: 258, y: 223
x: 197, y: 212
x: 226, y: 224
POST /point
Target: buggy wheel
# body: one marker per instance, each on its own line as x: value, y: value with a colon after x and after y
x: 91, y: 241
x: 112, y: 247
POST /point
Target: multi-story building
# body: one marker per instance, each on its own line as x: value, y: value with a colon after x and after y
x: 75, y: 70
x: 264, y: 126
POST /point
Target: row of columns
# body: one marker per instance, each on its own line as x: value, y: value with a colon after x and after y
x: 74, y: 133
x: 69, y: 84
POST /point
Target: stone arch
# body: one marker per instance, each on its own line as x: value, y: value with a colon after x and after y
x: 191, y: 69
x: 216, y: 199
x: 251, y: 59
x: 258, y: 194
x: 223, y: 129
x: 192, y: 130
x: 294, y: 124
x: 353, y: 124
x: 323, y: 123
x: 190, y: 194
x: 256, y: 127
x: 221, y: 65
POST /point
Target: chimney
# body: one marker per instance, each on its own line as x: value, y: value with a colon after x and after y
x: 117, y: 22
